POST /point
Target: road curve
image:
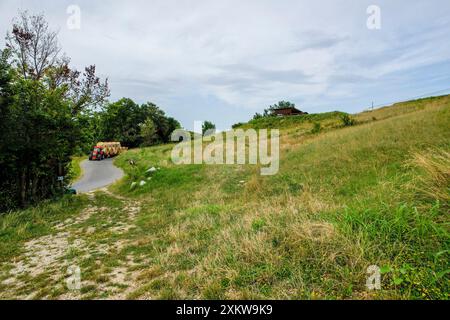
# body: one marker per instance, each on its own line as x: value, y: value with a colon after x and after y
x: 97, y: 175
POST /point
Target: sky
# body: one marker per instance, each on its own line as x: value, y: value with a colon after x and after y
x: 224, y: 60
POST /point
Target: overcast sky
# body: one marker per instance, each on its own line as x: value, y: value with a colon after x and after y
x: 224, y: 60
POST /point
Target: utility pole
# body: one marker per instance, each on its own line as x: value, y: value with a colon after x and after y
x: 372, y: 105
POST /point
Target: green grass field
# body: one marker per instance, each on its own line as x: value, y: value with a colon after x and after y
x: 345, y: 198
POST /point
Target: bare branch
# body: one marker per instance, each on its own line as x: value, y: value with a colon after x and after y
x: 33, y: 45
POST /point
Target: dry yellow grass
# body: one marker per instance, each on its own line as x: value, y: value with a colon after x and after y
x: 338, y: 205
x: 435, y: 183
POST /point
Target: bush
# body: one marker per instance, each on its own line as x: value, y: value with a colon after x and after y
x: 347, y: 120
x: 317, y: 128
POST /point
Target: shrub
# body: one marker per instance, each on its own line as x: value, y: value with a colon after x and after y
x: 317, y: 128
x: 347, y: 120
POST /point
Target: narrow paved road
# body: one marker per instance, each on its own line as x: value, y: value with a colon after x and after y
x: 96, y: 175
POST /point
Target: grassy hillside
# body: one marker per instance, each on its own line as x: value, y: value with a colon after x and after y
x: 345, y: 198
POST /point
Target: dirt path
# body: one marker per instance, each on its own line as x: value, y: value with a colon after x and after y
x: 91, y: 243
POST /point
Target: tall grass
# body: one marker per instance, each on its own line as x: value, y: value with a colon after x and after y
x: 434, y: 183
x: 341, y: 202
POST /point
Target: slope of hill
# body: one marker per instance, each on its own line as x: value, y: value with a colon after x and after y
x: 345, y: 198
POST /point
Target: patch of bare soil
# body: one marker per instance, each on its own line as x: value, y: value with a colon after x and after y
x: 49, y: 256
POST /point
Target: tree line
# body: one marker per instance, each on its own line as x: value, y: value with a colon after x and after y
x: 127, y: 122
x: 50, y: 111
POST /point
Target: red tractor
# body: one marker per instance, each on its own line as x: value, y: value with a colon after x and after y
x: 97, y: 154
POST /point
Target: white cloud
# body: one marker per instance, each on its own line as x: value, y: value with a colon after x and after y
x: 249, y: 54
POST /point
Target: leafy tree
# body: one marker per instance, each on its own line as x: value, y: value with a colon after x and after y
x: 164, y: 125
x: 172, y: 126
x: 124, y: 121
x: 44, y: 107
x: 282, y: 104
x: 148, y: 132
x: 257, y: 116
x: 48, y: 113
x: 121, y: 121
x: 37, y: 145
x: 237, y: 125
x: 7, y: 177
x: 207, y: 125
x: 269, y: 112
x: 36, y: 54
x: 89, y: 127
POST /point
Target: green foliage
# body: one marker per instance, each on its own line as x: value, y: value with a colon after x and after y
x: 121, y: 121
x: 257, y: 116
x: 124, y: 121
x: 415, y: 237
x: 164, y: 125
x: 207, y: 125
x: 317, y: 128
x: 269, y: 111
x: 342, y: 201
x: 280, y: 105
x: 258, y: 224
x: 237, y: 125
x: 294, y: 121
x: 45, y: 114
x: 49, y: 114
x: 75, y: 171
x: 417, y: 280
x: 347, y: 120
x: 88, y: 125
x: 38, y: 137
x: 148, y: 132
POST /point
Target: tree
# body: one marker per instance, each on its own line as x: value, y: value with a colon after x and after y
x: 89, y: 131
x: 34, y: 46
x: 172, y: 126
x: 257, y: 116
x: 121, y: 122
x: 164, y: 125
x: 148, y: 132
x: 207, y: 125
x: 7, y: 177
x: 269, y: 111
x: 38, y: 146
x: 280, y: 105
x: 44, y: 109
x: 37, y: 55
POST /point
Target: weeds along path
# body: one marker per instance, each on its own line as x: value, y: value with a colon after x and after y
x: 93, y: 241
